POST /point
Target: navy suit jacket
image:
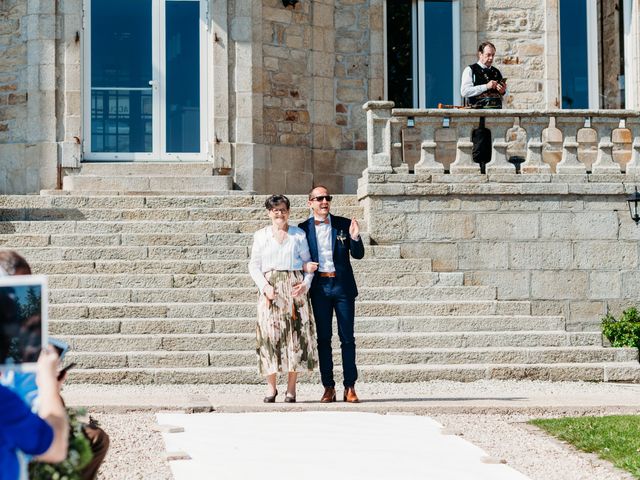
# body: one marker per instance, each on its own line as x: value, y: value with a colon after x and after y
x: 341, y: 251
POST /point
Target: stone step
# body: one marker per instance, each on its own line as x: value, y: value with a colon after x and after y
x: 371, y: 356
x: 240, y: 341
x: 198, y: 266
x: 223, y: 280
x: 232, y: 199
x: 65, y: 227
x: 147, y: 183
x: 362, y: 324
x: 155, y: 239
x: 248, y: 309
x: 167, y: 169
x: 134, y: 253
x: 255, y: 215
x: 586, y: 372
x: 247, y: 294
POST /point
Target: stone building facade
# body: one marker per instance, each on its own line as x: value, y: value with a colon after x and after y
x: 281, y: 88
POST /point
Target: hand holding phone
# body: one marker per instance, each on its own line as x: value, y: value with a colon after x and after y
x: 63, y: 372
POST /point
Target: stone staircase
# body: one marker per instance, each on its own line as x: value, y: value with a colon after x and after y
x: 155, y: 289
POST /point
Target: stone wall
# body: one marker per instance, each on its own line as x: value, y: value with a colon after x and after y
x: 315, y: 76
x: 28, y: 158
x: 564, y: 242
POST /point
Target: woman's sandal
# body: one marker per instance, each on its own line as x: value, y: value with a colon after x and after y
x: 288, y: 398
x: 272, y: 398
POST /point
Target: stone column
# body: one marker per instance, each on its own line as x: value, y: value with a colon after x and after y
x: 69, y: 81
x: 41, y: 149
x: 246, y: 34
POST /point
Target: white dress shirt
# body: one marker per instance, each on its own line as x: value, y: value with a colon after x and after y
x: 467, y: 88
x: 325, y: 248
x: 267, y: 254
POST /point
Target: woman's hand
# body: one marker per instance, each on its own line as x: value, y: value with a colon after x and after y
x: 310, y: 267
x: 299, y: 289
x: 269, y: 292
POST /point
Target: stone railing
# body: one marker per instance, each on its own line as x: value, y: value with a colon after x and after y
x: 551, y: 141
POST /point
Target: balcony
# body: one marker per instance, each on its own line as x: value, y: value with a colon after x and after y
x: 525, y: 142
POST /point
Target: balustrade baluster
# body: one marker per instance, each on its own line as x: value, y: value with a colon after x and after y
x: 570, y: 163
x: 464, y: 161
x: 633, y: 167
x: 604, y: 162
x: 499, y: 127
x: 534, y: 127
x: 427, y: 163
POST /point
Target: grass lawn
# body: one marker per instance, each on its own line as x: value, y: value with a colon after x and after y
x: 615, y: 438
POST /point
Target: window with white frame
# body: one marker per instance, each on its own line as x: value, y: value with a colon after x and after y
x: 423, y: 52
x: 592, y: 53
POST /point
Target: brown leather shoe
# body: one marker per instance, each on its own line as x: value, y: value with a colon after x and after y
x: 329, y: 395
x: 350, y: 395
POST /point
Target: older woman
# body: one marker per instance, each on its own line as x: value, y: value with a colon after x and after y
x: 286, y: 337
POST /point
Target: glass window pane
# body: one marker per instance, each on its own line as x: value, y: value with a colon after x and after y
x: 183, y: 76
x: 438, y: 68
x: 400, y: 53
x: 574, y: 62
x: 121, y: 69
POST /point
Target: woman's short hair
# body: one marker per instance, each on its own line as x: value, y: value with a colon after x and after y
x: 274, y: 200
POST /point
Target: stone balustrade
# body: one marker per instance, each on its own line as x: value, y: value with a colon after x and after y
x: 549, y: 141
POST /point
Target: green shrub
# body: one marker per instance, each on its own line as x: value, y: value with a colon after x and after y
x: 78, y: 457
x: 624, y: 332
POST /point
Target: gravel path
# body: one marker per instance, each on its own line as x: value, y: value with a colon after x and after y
x: 528, y: 450
x: 137, y: 451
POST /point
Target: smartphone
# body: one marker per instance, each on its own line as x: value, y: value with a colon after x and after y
x: 65, y: 370
x: 60, y: 346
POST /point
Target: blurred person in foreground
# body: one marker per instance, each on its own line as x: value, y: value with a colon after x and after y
x: 45, y: 434
x: 11, y: 263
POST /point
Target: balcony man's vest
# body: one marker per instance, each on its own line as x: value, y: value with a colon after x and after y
x: 482, y: 76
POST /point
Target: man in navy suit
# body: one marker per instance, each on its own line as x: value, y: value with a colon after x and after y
x: 331, y: 240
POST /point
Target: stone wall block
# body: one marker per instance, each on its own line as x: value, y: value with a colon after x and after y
x: 555, y: 255
x: 604, y: 255
x: 603, y: 285
x: 389, y: 227
x: 511, y: 285
x: 514, y: 226
x: 579, y: 225
x: 559, y: 285
x: 482, y: 256
x: 440, y: 226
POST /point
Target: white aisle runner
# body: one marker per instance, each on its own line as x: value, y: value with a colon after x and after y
x: 321, y: 445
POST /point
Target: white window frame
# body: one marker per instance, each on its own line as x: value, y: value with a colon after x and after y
x: 631, y: 53
x: 158, y: 152
x: 419, y: 53
x: 593, y: 77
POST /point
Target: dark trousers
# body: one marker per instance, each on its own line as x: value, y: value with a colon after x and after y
x: 481, y: 138
x: 327, y: 297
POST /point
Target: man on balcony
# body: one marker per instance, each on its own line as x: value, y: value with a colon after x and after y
x: 483, y: 86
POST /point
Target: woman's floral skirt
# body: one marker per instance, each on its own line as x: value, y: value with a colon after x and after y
x: 286, y: 332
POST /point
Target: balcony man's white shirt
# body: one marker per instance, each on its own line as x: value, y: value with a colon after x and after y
x: 325, y: 252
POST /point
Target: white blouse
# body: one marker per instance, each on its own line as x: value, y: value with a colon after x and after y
x: 267, y: 254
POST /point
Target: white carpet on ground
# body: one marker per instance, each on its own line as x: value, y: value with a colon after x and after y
x: 320, y: 445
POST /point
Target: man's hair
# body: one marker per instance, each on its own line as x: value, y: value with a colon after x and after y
x: 314, y: 188
x: 11, y: 263
x: 274, y: 200
x: 482, y: 46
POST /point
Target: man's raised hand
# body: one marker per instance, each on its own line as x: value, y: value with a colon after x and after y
x: 354, y: 229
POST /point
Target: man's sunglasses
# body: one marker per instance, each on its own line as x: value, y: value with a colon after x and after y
x: 322, y: 198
